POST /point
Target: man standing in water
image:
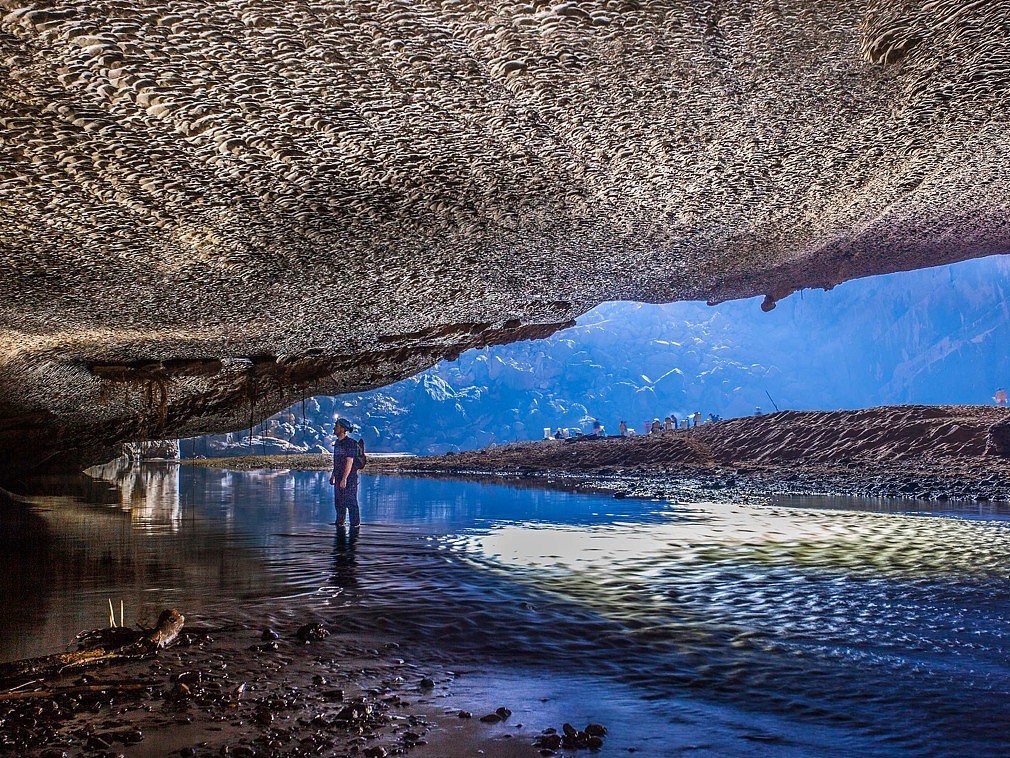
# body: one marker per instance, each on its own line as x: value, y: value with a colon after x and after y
x: 345, y: 474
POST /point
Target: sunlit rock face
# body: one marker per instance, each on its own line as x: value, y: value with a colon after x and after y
x: 210, y: 209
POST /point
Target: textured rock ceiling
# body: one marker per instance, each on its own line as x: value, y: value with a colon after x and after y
x: 208, y: 209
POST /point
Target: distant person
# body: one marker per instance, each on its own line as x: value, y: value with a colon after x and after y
x: 348, y: 458
x: 1000, y: 398
x: 757, y: 411
x: 656, y: 427
x: 697, y: 418
x: 597, y: 427
x: 668, y: 424
x: 602, y: 431
x: 673, y: 418
x: 622, y: 428
x: 559, y: 435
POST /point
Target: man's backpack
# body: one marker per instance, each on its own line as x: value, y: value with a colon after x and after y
x: 360, y: 459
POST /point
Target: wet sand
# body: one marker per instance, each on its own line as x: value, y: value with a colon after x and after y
x: 934, y: 453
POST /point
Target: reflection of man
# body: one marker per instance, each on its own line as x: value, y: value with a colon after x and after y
x: 344, y: 562
x: 345, y: 474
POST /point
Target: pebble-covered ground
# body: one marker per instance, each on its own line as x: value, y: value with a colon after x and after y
x: 245, y: 692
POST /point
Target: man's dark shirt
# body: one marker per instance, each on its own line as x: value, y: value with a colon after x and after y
x: 342, y: 450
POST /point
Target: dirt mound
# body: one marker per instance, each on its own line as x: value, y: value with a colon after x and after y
x: 915, y: 437
x: 579, y: 454
x: 874, y: 435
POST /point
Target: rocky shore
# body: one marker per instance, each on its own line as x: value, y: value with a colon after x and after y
x: 240, y: 691
x: 927, y: 452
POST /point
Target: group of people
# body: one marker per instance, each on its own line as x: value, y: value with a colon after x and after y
x: 566, y: 434
x: 669, y: 424
x: 655, y: 426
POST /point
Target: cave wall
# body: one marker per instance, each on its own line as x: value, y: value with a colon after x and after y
x: 208, y: 210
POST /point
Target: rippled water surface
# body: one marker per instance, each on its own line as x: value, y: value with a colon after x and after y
x: 802, y: 627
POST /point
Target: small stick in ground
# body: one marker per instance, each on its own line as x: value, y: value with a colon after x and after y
x: 112, y: 687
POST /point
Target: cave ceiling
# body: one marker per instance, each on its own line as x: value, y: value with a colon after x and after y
x: 209, y: 209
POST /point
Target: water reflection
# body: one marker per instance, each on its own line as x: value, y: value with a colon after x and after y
x: 344, y: 561
x: 127, y: 534
x: 877, y: 620
x: 150, y: 492
x: 27, y: 575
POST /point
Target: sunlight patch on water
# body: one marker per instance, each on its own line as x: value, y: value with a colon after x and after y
x: 700, y: 534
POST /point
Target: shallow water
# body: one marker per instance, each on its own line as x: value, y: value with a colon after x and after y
x: 808, y: 626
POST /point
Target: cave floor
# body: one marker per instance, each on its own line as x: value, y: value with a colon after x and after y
x: 710, y: 625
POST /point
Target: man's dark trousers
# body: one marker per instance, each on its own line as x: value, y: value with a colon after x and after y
x: 346, y: 499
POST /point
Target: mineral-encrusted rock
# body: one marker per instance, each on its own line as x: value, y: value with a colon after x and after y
x: 208, y: 211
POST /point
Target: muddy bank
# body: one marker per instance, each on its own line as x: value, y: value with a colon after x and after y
x: 240, y: 691
x: 926, y: 452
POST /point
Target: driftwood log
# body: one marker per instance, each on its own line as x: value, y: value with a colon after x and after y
x: 129, y: 644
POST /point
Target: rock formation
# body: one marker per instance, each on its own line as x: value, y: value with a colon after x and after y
x: 208, y: 210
